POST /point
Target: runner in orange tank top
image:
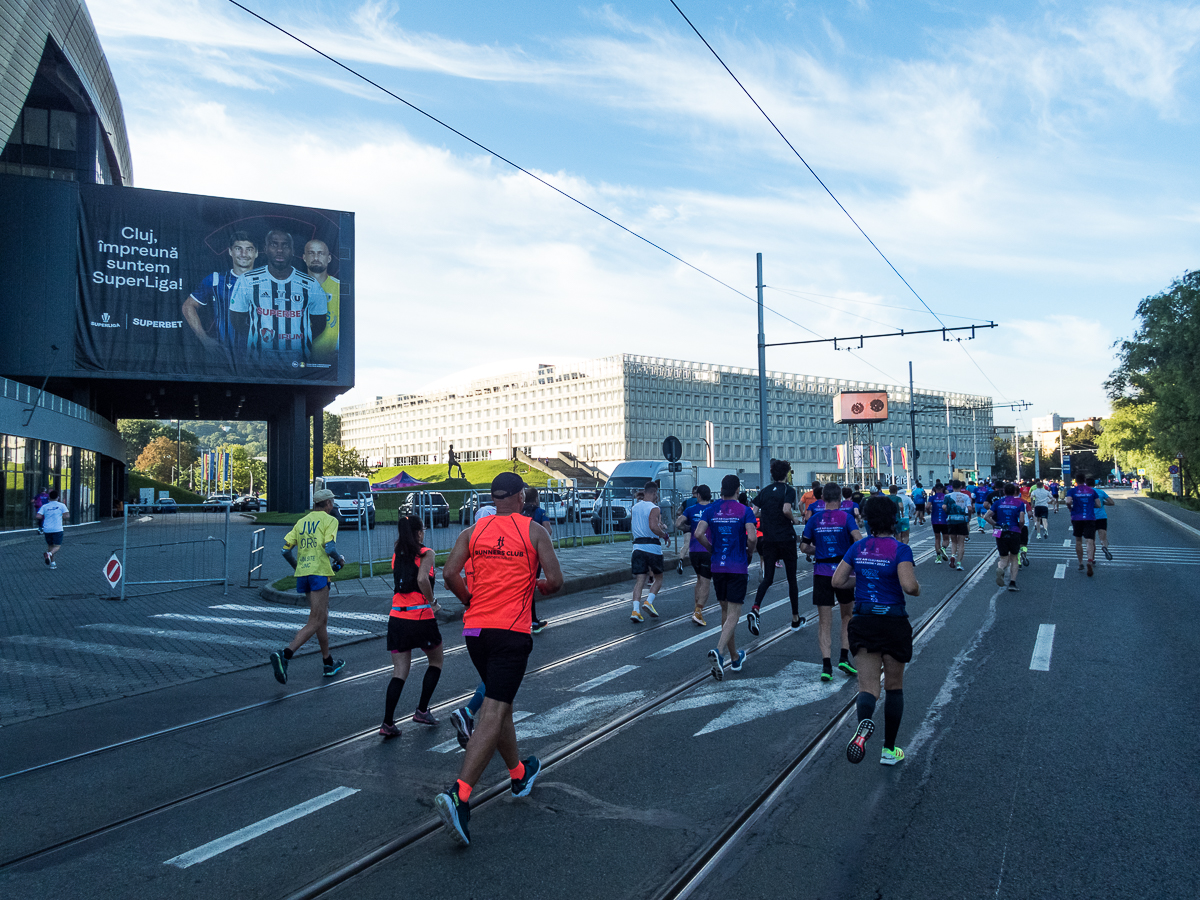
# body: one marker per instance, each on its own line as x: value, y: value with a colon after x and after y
x: 504, y: 551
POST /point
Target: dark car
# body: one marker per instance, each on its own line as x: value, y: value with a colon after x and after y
x: 165, y: 505
x: 431, y: 506
x: 471, y: 506
x: 246, y: 503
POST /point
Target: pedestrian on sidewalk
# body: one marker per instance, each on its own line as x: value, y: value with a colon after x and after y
x: 50, y: 517
x: 648, y: 532
x: 728, y: 530
x: 412, y: 623
x: 505, y: 551
x: 700, y: 558
x: 311, y: 548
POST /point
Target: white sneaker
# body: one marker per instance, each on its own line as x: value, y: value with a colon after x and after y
x: 53, y: 564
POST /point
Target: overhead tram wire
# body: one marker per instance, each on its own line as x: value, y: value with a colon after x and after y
x: 832, y: 196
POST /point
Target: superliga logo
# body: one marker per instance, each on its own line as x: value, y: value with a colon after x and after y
x: 105, y: 323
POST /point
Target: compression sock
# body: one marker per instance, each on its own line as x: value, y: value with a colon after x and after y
x: 432, y: 674
x: 328, y: 660
x: 477, y: 701
x: 866, y: 705
x: 844, y: 656
x: 395, y: 686
x: 287, y: 652
x: 517, y: 773
x: 650, y: 598
x: 533, y: 610
x: 893, y: 710
x: 464, y: 791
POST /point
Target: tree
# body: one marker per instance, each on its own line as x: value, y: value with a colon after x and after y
x: 1127, y: 439
x: 339, y: 461
x: 333, y: 428
x: 1005, y: 466
x: 1159, y: 370
x: 157, y: 460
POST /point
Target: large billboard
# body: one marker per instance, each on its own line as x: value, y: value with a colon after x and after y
x: 860, y: 406
x: 211, y: 288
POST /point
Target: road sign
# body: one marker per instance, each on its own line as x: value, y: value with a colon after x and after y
x: 672, y: 449
x: 1066, y: 468
x: 1174, y: 470
x: 112, y: 571
x: 675, y: 467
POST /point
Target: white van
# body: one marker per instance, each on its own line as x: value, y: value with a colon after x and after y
x: 613, y: 507
x: 346, y: 489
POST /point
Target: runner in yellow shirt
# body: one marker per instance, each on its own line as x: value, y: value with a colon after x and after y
x: 311, y: 547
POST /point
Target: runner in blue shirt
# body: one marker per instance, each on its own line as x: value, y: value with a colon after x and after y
x: 1007, y: 517
x: 1082, y: 502
x: 880, y: 570
x: 700, y: 558
x: 918, y: 498
x: 827, y: 536
x: 728, y: 530
x: 937, y: 521
x: 1101, y: 517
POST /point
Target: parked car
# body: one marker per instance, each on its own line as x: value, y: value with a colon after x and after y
x: 471, y: 506
x: 217, y: 502
x: 583, y: 502
x: 246, y: 503
x: 554, y: 505
x: 165, y: 505
x: 431, y: 506
x: 346, y: 489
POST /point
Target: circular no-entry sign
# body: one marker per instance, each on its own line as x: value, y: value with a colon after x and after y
x: 113, y: 571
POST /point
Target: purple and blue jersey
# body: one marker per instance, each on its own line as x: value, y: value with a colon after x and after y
x: 693, y: 514
x: 877, y: 590
x: 831, y: 532
x: 727, y: 521
x: 937, y: 515
x: 1083, y: 503
x: 1007, y: 512
x: 850, y: 505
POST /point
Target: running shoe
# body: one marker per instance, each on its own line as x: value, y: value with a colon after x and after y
x: 845, y: 666
x: 279, y: 667
x: 333, y: 668
x: 636, y: 616
x: 424, y: 718
x: 649, y: 607
x: 455, y: 813
x: 736, y: 665
x: 46, y: 557
x: 808, y: 557
x: 752, y: 621
x: 1107, y: 553
x: 891, y: 757
x: 779, y: 563
x: 827, y: 674
x: 797, y: 623
x: 940, y: 557
x: 538, y: 625
x: 53, y: 564
x: 1091, y: 565
x: 1024, y: 554
x: 1000, y: 578
x: 699, y: 619
x: 1012, y: 586
x: 857, y: 748
x: 1081, y: 567
x: 523, y: 785
x: 718, y: 666
x: 463, y: 726
x: 388, y: 731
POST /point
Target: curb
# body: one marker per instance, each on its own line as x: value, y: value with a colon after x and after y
x: 1149, y: 503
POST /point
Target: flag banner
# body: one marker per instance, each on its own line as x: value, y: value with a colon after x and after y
x: 841, y: 456
x: 228, y: 471
x: 904, y: 458
x: 858, y: 456
x: 874, y: 464
x: 887, y: 454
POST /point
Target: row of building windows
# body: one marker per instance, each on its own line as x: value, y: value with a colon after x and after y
x: 27, y: 467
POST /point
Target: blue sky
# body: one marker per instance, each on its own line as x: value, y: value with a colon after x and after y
x: 1034, y: 166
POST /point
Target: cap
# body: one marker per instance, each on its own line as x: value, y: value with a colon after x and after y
x: 506, y: 484
x: 322, y: 496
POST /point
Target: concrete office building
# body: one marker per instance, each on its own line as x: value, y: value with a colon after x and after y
x: 616, y: 408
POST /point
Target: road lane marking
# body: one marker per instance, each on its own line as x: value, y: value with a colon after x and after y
x: 1067, y: 542
x: 1060, y: 571
x: 302, y: 611
x: 202, y: 637
x: 250, y: 832
x: 452, y: 745
x: 603, y: 679
x: 1042, y: 649
x: 256, y: 623
x: 164, y: 657
x: 667, y: 651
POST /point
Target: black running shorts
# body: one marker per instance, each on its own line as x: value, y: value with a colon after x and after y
x: 1084, y: 528
x: 939, y: 527
x: 1009, y: 543
x: 957, y: 529
x: 730, y: 587
x: 1041, y: 512
x: 500, y: 658
x: 643, y: 562
x: 920, y: 507
x: 701, y: 564
x: 1102, y: 524
x: 824, y: 593
x: 886, y: 635
x: 412, y: 634
x: 771, y: 551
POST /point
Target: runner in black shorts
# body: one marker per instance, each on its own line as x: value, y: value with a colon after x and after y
x: 827, y: 536
x: 700, y: 558
x: 777, y: 524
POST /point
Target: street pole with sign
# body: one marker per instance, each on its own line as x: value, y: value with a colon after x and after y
x: 672, y: 453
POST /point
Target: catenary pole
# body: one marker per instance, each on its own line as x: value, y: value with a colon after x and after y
x: 912, y: 424
x: 764, y: 468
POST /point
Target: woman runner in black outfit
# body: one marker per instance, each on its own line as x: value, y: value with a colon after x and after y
x: 777, y: 523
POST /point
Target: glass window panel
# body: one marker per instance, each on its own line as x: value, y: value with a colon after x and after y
x: 37, y: 127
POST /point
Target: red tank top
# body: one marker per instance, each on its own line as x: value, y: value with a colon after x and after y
x: 415, y: 598
x: 504, y: 570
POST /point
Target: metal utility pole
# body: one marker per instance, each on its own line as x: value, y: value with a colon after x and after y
x: 912, y: 424
x: 974, y: 445
x: 764, y: 450
x: 1037, y: 458
x: 949, y: 458
x: 178, y: 432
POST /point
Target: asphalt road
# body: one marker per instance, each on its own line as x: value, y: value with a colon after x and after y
x: 1073, y: 781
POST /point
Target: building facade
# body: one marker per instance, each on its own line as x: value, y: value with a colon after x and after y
x: 618, y: 408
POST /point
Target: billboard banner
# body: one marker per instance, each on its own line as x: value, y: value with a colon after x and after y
x: 208, y: 287
x: 860, y: 406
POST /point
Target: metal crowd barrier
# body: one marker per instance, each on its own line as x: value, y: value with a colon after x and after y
x: 258, y: 549
x: 179, y: 542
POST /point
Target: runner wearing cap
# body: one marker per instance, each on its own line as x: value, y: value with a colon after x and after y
x: 314, y: 539
x: 505, y: 551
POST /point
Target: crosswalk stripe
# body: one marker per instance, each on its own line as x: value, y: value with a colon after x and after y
x: 43, y: 670
x: 112, y: 650
x: 253, y: 623
x: 301, y: 611
x: 202, y: 637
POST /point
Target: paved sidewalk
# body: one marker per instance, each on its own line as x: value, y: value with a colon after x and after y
x: 65, y: 642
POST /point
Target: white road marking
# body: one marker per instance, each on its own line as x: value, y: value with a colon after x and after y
x: 302, y: 611
x: 700, y: 636
x: 250, y: 832
x: 603, y: 679
x: 220, y: 620
x: 577, y: 712
x: 1067, y: 542
x: 1042, y: 649
x: 451, y: 745
x: 1060, y: 571
x: 202, y: 637
x: 157, y: 656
